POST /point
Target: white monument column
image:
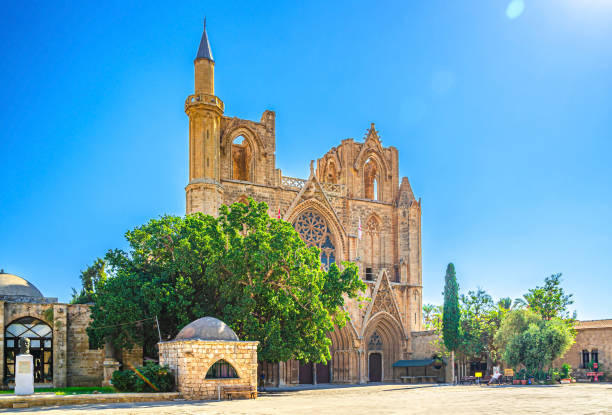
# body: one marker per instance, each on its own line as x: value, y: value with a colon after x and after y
x: 24, y: 374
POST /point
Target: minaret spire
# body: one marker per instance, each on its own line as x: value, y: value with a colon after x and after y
x: 204, y: 51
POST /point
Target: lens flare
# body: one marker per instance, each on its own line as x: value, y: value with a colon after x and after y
x: 515, y: 9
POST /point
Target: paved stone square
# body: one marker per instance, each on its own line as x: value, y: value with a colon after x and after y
x: 386, y: 399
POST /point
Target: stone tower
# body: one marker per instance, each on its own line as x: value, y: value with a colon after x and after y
x: 204, y: 191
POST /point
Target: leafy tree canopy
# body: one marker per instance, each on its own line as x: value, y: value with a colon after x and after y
x: 92, y: 279
x: 528, y: 339
x: 245, y: 268
x: 480, y: 319
x: 550, y: 300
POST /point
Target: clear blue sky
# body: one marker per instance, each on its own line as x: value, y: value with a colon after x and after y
x: 503, y: 121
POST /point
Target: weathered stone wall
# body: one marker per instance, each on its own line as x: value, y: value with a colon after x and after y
x: 191, y: 359
x: 131, y: 358
x: 84, y: 364
x: 424, y: 345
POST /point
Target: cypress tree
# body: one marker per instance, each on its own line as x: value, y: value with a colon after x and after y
x: 450, y: 317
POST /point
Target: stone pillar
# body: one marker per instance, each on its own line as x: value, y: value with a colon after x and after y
x: 282, y: 373
x: 110, y: 365
x: 60, y: 345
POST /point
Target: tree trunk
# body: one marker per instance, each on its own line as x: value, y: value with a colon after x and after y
x: 453, y: 366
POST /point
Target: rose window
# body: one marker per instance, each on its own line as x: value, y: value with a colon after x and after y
x: 314, y: 231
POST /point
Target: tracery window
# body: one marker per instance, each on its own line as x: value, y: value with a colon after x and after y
x: 221, y: 370
x: 375, y: 342
x: 314, y: 231
x: 41, y: 348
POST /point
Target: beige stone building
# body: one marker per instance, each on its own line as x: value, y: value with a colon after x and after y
x: 58, y: 341
x: 593, y: 345
x: 353, y: 206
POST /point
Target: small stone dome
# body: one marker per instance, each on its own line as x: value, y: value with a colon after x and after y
x: 14, y: 286
x: 207, y: 328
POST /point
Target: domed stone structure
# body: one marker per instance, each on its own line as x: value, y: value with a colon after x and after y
x: 13, y: 288
x: 207, y: 328
x: 12, y: 285
x: 209, y: 346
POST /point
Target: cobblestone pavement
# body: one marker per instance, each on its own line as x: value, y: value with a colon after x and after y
x: 385, y: 399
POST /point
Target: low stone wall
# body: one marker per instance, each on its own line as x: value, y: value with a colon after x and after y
x: 191, y: 359
x: 13, y: 401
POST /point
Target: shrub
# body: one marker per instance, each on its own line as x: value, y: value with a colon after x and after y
x: 129, y: 381
x: 566, y: 371
x: 160, y: 376
x: 124, y: 380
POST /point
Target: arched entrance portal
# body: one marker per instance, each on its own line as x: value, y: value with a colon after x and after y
x: 41, y: 348
x: 375, y: 367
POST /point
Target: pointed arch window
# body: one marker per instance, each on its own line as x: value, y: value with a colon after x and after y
x: 221, y: 370
x: 313, y: 230
x: 242, y: 159
x: 370, y: 180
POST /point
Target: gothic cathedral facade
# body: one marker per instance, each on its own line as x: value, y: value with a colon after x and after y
x: 353, y: 206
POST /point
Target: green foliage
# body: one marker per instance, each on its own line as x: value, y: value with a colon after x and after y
x: 160, y: 376
x: 129, y: 381
x: 550, y: 300
x: 527, y: 339
x: 480, y: 320
x: 451, y: 334
x: 505, y: 303
x: 124, y: 380
x: 566, y: 371
x: 245, y: 268
x: 431, y: 316
x: 92, y: 279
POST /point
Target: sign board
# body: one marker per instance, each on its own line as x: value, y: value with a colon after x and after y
x: 23, y: 367
x: 595, y: 375
x: 508, y: 372
x: 478, y: 374
x: 595, y: 365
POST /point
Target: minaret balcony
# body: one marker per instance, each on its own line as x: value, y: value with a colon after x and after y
x: 196, y: 100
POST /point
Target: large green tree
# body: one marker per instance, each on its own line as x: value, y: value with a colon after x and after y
x: 480, y: 319
x: 550, y: 300
x: 526, y: 338
x: 451, y: 333
x: 92, y: 279
x: 245, y: 268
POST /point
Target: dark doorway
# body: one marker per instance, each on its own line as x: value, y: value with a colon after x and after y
x: 375, y: 367
x: 322, y: 373
x: 305, y: 373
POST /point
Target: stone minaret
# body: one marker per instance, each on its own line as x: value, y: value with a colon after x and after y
x: 204, y: 191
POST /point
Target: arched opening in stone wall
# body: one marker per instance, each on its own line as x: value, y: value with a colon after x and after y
x: 41, y: 348
x: 371, y: 178
x: 384, y: 336
x: 242, y: 159
x: 343, y: 355
x: 314, y: 230
x: 221, y: 370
